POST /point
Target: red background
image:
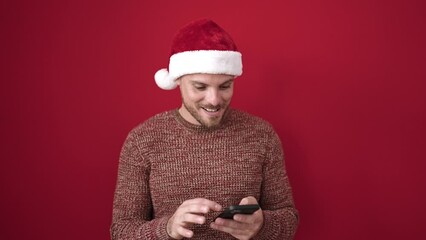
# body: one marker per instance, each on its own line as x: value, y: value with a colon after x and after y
x: 343, y: 82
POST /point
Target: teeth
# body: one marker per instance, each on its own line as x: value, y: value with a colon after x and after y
x: 211, y: 110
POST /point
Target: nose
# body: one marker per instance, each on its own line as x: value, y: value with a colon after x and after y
x: 213, y: 97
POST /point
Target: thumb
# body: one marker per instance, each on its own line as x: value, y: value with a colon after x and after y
x: 248, y: 200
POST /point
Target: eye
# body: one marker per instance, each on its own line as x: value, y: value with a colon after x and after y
x: 199, y: 87
x: 226, y: 86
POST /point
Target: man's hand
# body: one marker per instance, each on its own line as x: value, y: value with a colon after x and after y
x: 242, y: 226
x: 188, y: 213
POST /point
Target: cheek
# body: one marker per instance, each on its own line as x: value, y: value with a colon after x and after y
x: 227, y: 96
x: 194, y: 97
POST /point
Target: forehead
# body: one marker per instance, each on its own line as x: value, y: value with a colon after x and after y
x: 208, y: 79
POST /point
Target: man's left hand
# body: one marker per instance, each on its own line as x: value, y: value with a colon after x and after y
x: 243, y: 226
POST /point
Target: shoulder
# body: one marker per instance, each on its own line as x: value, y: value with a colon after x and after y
x: 254, y: 129
x: 153, y: 126
x: 155, y: 122
x: 250, y: 121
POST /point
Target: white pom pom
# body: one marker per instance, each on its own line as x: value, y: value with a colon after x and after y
x: 164, y: 80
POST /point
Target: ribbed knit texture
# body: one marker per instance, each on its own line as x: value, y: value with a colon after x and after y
x: 166, y: 160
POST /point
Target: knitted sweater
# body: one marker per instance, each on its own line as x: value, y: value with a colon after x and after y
x: 166, y: 160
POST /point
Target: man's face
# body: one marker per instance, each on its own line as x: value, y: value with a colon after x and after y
x: 205, y: 97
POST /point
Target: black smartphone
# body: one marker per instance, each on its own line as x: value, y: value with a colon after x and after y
x: 228, y: 213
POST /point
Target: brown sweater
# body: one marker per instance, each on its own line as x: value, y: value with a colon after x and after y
x: 166, y: 160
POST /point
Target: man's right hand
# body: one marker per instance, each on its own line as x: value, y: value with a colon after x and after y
x: 188, y: 213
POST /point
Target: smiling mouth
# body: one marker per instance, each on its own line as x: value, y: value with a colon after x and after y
x: 211, y: 110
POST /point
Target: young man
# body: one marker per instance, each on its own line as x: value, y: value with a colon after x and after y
x: 179, y: 169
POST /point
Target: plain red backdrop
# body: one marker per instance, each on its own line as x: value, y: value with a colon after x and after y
x: 343, y: 82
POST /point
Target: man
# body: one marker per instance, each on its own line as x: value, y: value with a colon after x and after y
x: 179, y: 169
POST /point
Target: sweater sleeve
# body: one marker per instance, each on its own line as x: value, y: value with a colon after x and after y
x: 280, y: 215
x: 132, y: 209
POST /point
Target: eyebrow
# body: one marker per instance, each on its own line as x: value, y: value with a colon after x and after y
x: 229, y: 81
x: 195, y: 81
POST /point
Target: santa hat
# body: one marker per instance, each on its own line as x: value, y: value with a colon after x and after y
x: 201, y: 46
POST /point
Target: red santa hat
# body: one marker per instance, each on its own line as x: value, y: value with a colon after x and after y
x: 201, y: 46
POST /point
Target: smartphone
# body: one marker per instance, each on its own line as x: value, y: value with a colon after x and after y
x: 228, y: 213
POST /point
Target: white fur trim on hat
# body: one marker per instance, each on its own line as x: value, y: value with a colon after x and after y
x: 199, y: 61
x: 164, y: 80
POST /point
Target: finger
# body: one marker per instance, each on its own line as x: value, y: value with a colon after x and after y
x: 230, y: 223
x: 214, y: 206
x: 254, y: 218
x: 194, y: 208
x: 184, y: 232
x: 193, y: 218
x: 201, y: 205
x: 248, y: 200
x: 248, y: 218
x: 229, y: 226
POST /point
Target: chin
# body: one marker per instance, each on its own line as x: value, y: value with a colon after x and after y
x: 212, y: 123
